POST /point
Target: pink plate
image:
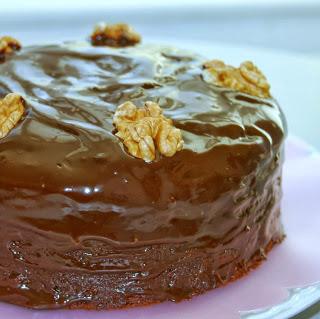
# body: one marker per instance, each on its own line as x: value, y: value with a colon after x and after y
x: 295, y: 263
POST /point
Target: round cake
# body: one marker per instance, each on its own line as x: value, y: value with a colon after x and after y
x: 93, y: 217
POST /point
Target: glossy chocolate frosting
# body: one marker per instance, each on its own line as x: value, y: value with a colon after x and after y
x: 84, y: 223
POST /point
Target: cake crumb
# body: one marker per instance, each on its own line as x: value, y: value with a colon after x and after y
x: 247, y: 78
x: 11, y: 111
x: 144, y: 131
x: 7, y: 46
x: 114, y: 35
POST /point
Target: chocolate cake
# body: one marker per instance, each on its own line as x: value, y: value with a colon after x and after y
x: 132, y: 174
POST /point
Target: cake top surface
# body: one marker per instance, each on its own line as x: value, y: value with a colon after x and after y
x: 65, y: 148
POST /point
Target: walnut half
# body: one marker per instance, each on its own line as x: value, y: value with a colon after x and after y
x: 145, y: 130
x: 7, y: 46
x: 11, y: 111
x: 247, y: 78
x: 114, y: 35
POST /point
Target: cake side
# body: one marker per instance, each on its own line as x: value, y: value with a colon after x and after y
x: 49, y: 271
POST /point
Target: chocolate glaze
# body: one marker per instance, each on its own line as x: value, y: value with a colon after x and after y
x: 85, y: 224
